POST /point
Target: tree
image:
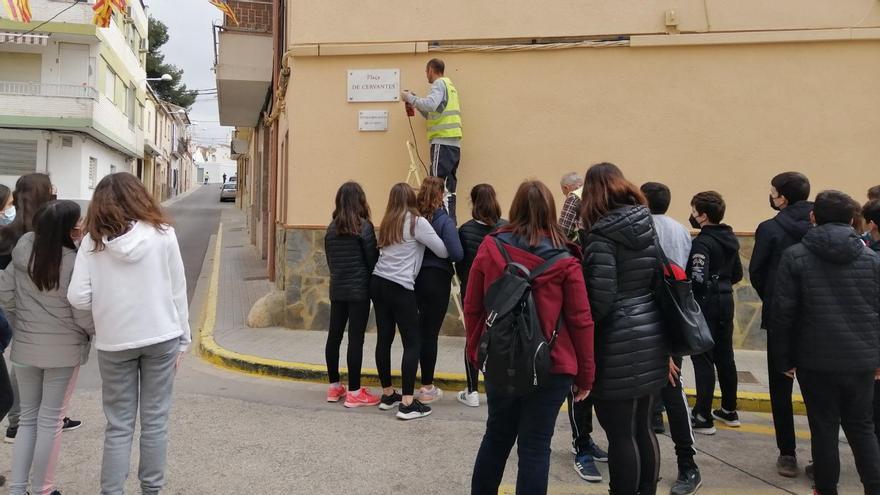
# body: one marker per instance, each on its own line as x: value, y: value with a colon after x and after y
x: 173, y: 91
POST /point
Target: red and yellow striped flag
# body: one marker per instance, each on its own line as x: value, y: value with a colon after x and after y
x: 17, y: 10
x: 226, y: 9
x: 104, y: 11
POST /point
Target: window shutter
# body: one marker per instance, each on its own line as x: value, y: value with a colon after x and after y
x: 18, y: 156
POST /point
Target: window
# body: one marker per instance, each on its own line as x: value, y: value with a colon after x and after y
x: 110, y: 84
x: 130, y: 108
x: 18, y: 156
x: 120, y: 98
x: 140, y: 120
x: 93, y: 172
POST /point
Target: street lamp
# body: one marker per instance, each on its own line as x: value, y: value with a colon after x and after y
x: 165, y: 77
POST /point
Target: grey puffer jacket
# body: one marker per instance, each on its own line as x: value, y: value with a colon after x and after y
x: 47, y: 331
x: 619, y: 264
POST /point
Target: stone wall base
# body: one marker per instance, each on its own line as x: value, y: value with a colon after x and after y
x: 303, y: 276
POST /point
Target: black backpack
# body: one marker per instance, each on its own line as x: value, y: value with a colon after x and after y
x: 514, y: 354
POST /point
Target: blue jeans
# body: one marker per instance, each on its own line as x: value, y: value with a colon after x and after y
x: 529, y: 421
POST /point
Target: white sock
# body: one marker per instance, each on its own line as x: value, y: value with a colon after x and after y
x: 335, y: 385
x: 725, y: 411
x: 354, y: 392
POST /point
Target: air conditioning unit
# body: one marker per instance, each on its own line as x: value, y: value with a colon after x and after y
x: 67, y: 141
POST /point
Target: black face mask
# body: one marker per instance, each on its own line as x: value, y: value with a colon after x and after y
x: 773, y: 205
x: 694, y: 223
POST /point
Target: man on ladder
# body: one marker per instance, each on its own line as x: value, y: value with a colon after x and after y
x: 442, y: 110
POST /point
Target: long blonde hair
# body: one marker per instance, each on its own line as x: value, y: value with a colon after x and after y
x: 401, y: 200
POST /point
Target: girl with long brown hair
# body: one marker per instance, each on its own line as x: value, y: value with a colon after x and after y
x: 531, y: 239
x: 486, y: 213
x: 350, y: 246
x: 51, y: 340
x: 129, y: 273
x: 403, y: 237
x: 434, y: 283
x: 32, y: 192
x: 632, y: 364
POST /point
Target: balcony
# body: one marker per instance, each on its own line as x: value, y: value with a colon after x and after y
x: 243, y: 62
x: 47, y: 89
x: 59, y: 103
x: 33, y: 105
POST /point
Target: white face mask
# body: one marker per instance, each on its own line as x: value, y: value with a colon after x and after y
x: 8, y: 216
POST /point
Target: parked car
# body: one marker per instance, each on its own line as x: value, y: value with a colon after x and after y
x: 233, y: 179
x: 227, y: 192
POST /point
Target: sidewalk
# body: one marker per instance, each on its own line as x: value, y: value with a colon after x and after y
x: 239, y: 280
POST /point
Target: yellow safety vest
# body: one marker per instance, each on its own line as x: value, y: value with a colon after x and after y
x: 446, y: 124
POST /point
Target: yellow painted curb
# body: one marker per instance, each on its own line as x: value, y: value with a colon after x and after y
x: 256, y: 365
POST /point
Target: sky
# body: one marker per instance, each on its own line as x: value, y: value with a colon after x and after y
x: 190, y: 47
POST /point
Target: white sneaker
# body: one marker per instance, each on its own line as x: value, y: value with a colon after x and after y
x: 428, y: 395
x: 471, y: 399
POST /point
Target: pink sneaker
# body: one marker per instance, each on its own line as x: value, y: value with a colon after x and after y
x: 363, y: 397
x: 334, y: 393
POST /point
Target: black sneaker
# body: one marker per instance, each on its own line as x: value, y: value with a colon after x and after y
x: 389, y: 402
x: 71, y: 424
x: 10, y: 434
x: 657, y: 424
x: 688, y: 482
x: 596, y: 452
x: 415, y: 410
x: 729, y: 418
x: 786, y: 465
x: 702, y: 426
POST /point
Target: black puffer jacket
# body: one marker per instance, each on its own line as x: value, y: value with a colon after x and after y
x: 351, y: 260
x: 773, y: 237
x: 714, y: 268
x: 826, y: 309
x: 471, y: 234
x: 619, y: 266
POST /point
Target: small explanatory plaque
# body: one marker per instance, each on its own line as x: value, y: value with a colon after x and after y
x: 373, y: 85
x: 373, y: 120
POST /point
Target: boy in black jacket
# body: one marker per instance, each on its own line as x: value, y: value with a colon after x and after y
x: 871, y: 213
x: 789, y: 192
x: 714, y: 268
x: 826, y: 330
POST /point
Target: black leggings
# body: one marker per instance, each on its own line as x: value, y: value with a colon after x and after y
x: 471, y: 372
x: 395, y: 306
x: 355, y: 314
x: 433, y: 286
x: 633, y: 452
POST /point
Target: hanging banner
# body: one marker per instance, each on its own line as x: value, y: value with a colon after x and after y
x: 226, y: 9
x: 17, y: 10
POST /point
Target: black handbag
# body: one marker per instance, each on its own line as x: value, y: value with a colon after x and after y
x: 687, y: 332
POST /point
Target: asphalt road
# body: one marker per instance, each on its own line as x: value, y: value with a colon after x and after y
x: 239, y: 434
x: 196, y: 218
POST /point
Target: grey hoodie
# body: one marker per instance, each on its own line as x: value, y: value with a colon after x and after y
x: 48, y: 331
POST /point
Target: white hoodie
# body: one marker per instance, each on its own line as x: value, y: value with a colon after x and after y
x: 135, y: 288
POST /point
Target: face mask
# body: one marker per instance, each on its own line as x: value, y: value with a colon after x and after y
x: 8, y: 216
x: 694, y: 223
x: 773, y: 205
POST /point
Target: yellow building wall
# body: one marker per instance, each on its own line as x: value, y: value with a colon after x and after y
x: 332, y: 21
x: 726, y: 118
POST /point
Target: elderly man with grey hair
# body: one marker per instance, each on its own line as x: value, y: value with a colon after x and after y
x: 569, y: 217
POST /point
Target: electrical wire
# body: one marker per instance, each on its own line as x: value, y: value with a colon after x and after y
x: 38, y: 26
x: 416, y: 146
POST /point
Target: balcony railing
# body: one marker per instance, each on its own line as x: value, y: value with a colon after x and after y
x: 47, y: 89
